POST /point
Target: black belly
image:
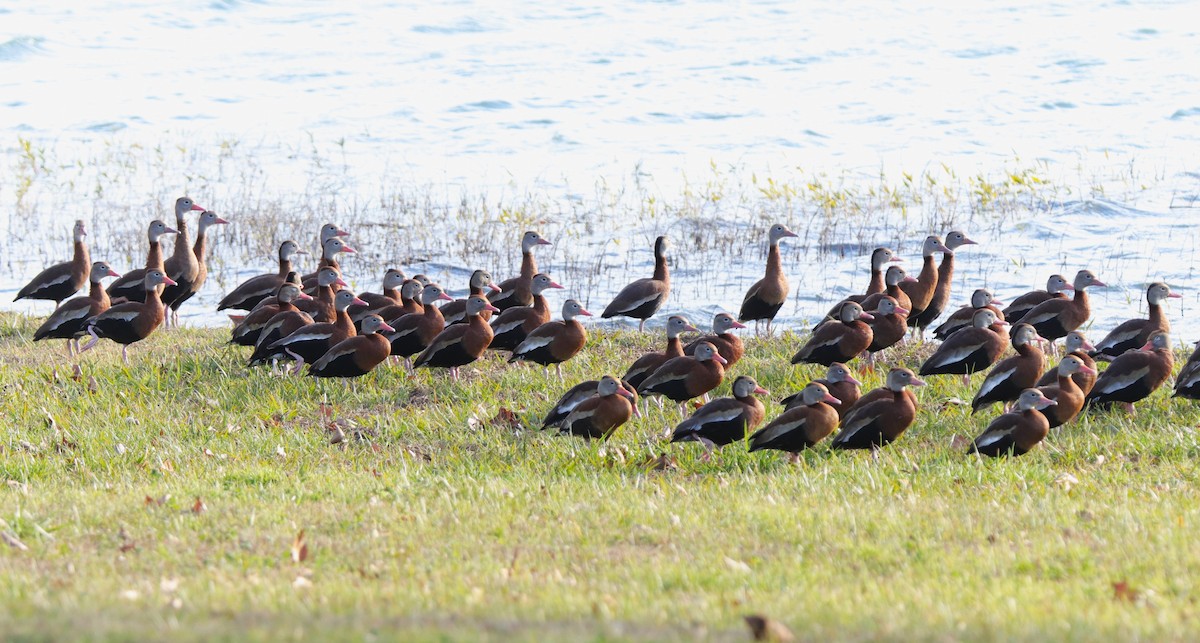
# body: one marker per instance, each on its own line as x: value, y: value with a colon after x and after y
x: 755, y: 309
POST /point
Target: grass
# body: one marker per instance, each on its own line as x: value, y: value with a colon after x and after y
x: 168, y: 498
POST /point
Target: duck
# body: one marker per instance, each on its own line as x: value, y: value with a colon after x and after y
x: 892, y: 279
x: 252, y: 291
x: 330, y: 249
x: 247, y: 332
x: 920, y: 290
x: 839, y: 380
x: 1016, y: 432
x: 1054, y: 318
x: 682, y: 378
x: 410, y: 302
x: 191, y: 271
x: 839, y: 340
x: 308, y: 343
x: 889, y: 324
x: 1133, y: 376
x: 358, y: 355
x: 460, y: 344
x: 389, y: 295
x: 478, y: 285
x: 728, y: 345
x: 1187, y: 383
x: 554, y: 342
x: 280, y: 325
x: 576, y: 395
x: 69, y: 319
x: 512, y: 326
x: 132, y: 321
x: 880, y: 257
x: 955, y: 239
x: 328, y: 259
x: 643, y: 366
x: 961, y: 318
x: 764, y: 299
x: 882, y: 415
x: 1133, y: 333
x: 1056, y: 288
x: 799, y: 427
x: 969, y: 349
x: 62, y: 280
x: 1077, y: 345
x: 642, y: 298
x: 320, y: 305
x: 598, y: 416
x: 517, y: 291
x: 413, y: 333
x: 129, y: 287
x: 1068, y: 397
x: 1014, y: 374
x: 725, y: 420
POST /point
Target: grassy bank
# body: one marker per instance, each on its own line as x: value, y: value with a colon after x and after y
x: 168, y: 498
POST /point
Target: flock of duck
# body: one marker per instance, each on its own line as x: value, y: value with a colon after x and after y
x: 315, y: 320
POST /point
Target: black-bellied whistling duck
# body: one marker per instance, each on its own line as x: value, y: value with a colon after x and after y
x: 682, y: 378
x: 69, y: 319
x: 837, y: 340
x: 1016, y: 432
x: 1133, y: 376
x: 889, y: 324
x: 1067, y: 396
x: 643, y: 297
x: 799, y: 427
x: 892, y: 279
x: 517, y: 291
x: 554, y: 342
x: 961, y: 318
x: 1014, y: 374
x: 280, y: 325
x: 969, y: 349
x: 130, y: 285
x: 766, y: 296
x: 247, y: 332
x: 412, y: 333
x: 1134, y: 333
x: 327, y: 232
x: 512, y: 326
x: 131, y: 321
x: 1055, y: 285
x: 880, y: 257
x: 643, y: 366
x: 728, y: 345
x: 945, y: 283
x: 355, y: 356
x: 1187, y: 383
x: 62, y: 280
x: 320, y: 306
x: 389, y: 294
x: 460, y: 344
x: 724, y: 420
x: 410, y: 302
x: 575, y: 396
x: 840, y: 383
x: 880, y: 416
x: 308, y: 343
x: 1077, y: 345
x: 1055, y: 318
x: 329, y: 252
x: 599, y: 415
x: 193, y: 269
x: 478, y: 285
x: 250, y: 292
x: 920, y: 290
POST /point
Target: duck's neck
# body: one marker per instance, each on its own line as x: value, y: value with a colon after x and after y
x: 528, y: 265
x: 928, y: 270
x: 674, y: 347
x: 285, y: 265
x: 99, y: 294
x: 81, y: 259
x: 876, y: 283
x: 540, y: 307
x: 200, y: 248
x: 660, y: 268
x: 774, y: 262
x: 182, y: 249
x: 1157, y: 318
x: 344, y: 322
x: 946, y: 268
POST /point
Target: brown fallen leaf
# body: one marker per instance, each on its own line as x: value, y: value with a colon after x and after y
x: 663, y: 462
x: 93, y: 385
x: 76, y: 373
x: 299, y: 548
x: 505, y: 418
x: 1123, y: 591
x: 199, y: 507
x: 764, y: 628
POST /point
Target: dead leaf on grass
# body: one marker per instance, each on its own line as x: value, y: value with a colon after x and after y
x: 1123, y: 591
x: 764, y: 628
x: 199, y: 507
x: 506, y: 418
x: 299, y: 548
x: 663, y: 462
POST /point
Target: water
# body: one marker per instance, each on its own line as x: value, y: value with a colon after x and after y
x: 555, y: 99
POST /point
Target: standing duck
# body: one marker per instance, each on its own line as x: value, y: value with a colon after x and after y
x: 410, y: 302
x: 247, y: 332
x: 766, y: 296
x: 840, y: 383
x: 577, y: 395
x: 512, y: 326
x: 1077, y: 345
x: 554, y: 342
x: 838, y: 340
x: 1133, y: 333
x: 1055, y: 286
x: 892, y: 280
x: 945, y: 280
x: 518, y: 291
x: 250, y: 292
x: 1054, y: 318
x: 191, y: 270
x: 328, y: 259
x: 920, y: 290
x: 460, y: 344
x: 961, y: 318
x: 801, y: 426
x: 308, y: 343
x: 599, y: 415
x: 329, y: 252
x: 280, y: 325
x: 643, y: 297
x: 1018, y: 431
x: 1133, y: 376
x: 412, y: 334
x: 969, y: 349
x: 1187, y: 383
x: 389, y: 295
x: 479, y: 283
x: 889, y: 324
x: 682, y: 378
x: 132, y: 321
x: 358, y: 355
x: 880, y: 416
x: 724, y: 420
x: 320, y: 305
x: 130, y: 285
x: 60, y: 281
x: 69, y: 319
x: 728, y: 345
x: 648, y: 363
x: 1012, y: 375
x: 1067, y: 396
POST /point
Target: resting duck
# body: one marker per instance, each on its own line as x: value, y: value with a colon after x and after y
x: 358, y: 355
x: 60, y: 281
x: 69, y: 319
x: 1133, y: 333
x: 1018, y: 431
x: 1067, y: 396
x: 250, y: 292
x: 250, y: 329
x: 945, y: 279
x: 920, y: 290
x: 969, y: 349
x: 840, y: 383
x: 880, y: 257
x: 321, y: 304
x: 512, y: 326
x: 479, y: 283
x: 648, y: 363
x: 642, y: 298
x: 766, y: 296
x: 328, y: 259
x: 191, y: 271
x: 308, y: 343
x: 280, y: 325
x: 1187, y: 383
x: 132, y: 321
x: 1079, y: 346
x: 682, y: 378
x: 599, y: 415
x: 329, y: 252
x: 554, y: 342
x: 892, y: 279
x: 880, y: 416
x: 393, y: 279
x: 801, y: 426
x: 724, y: 420
x: 129, y: 286
x: 412, y: 334
x: 410, y: 302
x: 518, y: 291
x: 839, y: 340
x: 1054, y: 318
x: 889, y: 324
x: 1055, y: 286
x: 1133, y: 376
x: 1012, y: 375
x: 575, y: 396
x: 961, y: 318
x: 728, y: 345
x: 460, y: 344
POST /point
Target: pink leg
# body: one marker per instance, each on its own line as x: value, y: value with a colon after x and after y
x: 92, y: 343
x: 125, y: 353
x: 299, y: 361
